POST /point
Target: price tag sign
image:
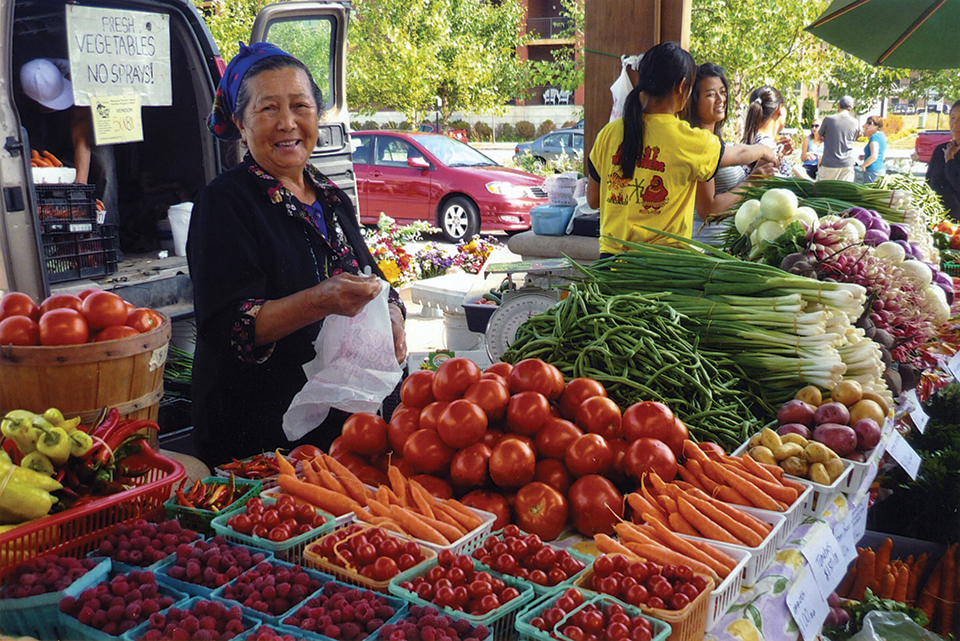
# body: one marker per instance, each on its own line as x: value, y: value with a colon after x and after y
x: 904, y: 455
x: 808, y: 606
x: 868, y: 477
x: 917, y: 414
x: 850, y: 530
x: 116, y: 119
x: 954, y: 365
x: 825, y: 557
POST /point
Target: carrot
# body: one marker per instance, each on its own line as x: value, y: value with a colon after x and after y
x: 693, y: 452
x: 658, y: 485
x: 760, y: 471
x: 915, y: 573
x: 709, y: 485
x: 445, y: 517
x: 887, y: 585
x: 608, y: 545
x: 326, y: 500
x: 330, y: 482
x: 669, y: 504
x: 365, y: 516
x: 689, y: 476
x: 703, y: 524
x: 639, y: 505
x: 630, y: 532
x: 866, y: 562
x: 760, y: 527
x: 34, y: 154
x: 731, y: 525
x: 377, y: 508
x: 351, y: 481
x: 774, y: 490
x: 711, y: 470
x: 930, y: 592
x: 903, y: 580
x: 422, y: 499
x: 456, y: 515
x: 883, y: 560
x: 285, y: 466
x: 946, y: 604
x: 310, y: 473
x: 666, y: 556
x: 399, y: 485
x: 386, y: 496
x: 843, y: 590
x: 53, y: 160
x: 472, y: 521
x: 680, y: 525
x: 450, y: 532
x: 388, y: 524
x: 416, y: 527
x: 683, y: 546
x: 748, y: 490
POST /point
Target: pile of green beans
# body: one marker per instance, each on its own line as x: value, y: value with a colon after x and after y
x: 636, y: 346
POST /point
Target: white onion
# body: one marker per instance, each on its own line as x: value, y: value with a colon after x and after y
x: 890, y: 252
x: 746, y: 214
x: 807, y: 217
x: 778, y: 204
x: 857, y: 225
x: 769, y: 230
x: 936, y: 301
x: 917, y: 271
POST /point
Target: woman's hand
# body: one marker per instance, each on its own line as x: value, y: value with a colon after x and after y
x: 399, y: 333
x: 950, y: 150
x: 345, y: 294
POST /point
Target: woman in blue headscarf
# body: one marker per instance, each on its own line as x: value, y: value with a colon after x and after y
x: 274, y: 248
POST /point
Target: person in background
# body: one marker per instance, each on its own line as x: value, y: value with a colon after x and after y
x: 811, y: 150
x: 766, y: 118
x: 943, y: 170
x: 644, y: 166
x: 274, y: 248
x: 873, y: 153
x: 839, y: 132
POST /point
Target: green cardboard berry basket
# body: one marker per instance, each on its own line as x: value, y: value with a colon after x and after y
x: 138, y: 632
x: 538, y: 589
x: 399, y: 606
x: 201, y: 520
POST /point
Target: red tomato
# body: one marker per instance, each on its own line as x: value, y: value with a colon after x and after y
x: 436, y: 486
x: 59, y: 301
x: 370, y: 475
x: 337, y: 447
x: 114, y: 332
x: 22, y: 331
x: 417, y: 389
x: 401, y: 464
x: 426, y: 452
x: 599, y: 415
x: 595, y: 505
x: 711, y: 448
x: 646, y: 455
x: 501, y: 368
x: 365, y: 433
x: 63, y: 326
x: 430, y: 415
x: 491, y: 436
x: 469, y: 467
x: 305, y: 452
x: 495, y: 377
x: 554, y: 473
x: 541, y: 510
x: 534, y: 375
x: 18, y: 304
x: 589, y: 454
x: 491, y: 395
x: 453, y: 377
x: 555, y: 436
x: 577, y: 391
x: 513, y: 462
x: 103, y: 309
x: 490, y: 502
x: 403, y: 422
x: 462, y: 423
x: 144, y: 319
x: 619, y: 448
x: 654, y: 420
x: 526, y: 412
x: 92, y: 290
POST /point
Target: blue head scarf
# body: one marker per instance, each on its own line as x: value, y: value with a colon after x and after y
x: 220, y: 121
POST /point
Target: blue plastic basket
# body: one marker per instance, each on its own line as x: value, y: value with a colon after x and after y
x: 529, y: 632
x: 38, y: 616
x: 290, y: 550
x: 661, y: 629
x: 200, y: 520
x: 399, y: 606
x: 221, y: 593
x: 120, y: 567
x: 538, y: 589
x: 132, y: 635
x: 500, y: 621
x: 195, y: 589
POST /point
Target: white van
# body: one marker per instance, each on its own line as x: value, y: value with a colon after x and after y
x: 148, y: 65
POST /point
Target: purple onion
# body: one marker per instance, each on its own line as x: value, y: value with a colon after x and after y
x: 947, y: 290
x: 874, y: 237
x: 882, y: 225
x: 865, y: 216
x: 906, y: 247
x: 941, y: 278
x: 899, y: 232
x: 915, y: 251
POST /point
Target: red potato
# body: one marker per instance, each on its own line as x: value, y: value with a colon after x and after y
x: 832, y: 412
x: 796, y: 411
x: 794, y: 428
x: 839, y: 438
x: 868, y: 434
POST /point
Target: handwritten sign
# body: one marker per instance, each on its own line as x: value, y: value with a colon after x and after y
x: 116, y: 52
x: 954, y: 365
x: 807, y: 606
x: 117, y: 119
x: 904, y: 455
x: 917, y: 413
x: 826, y: 557
x: 850, y: 529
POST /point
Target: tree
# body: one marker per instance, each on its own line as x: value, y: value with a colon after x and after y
x: 406, y: 53
x: 230, y: 21
x: 566, y: 68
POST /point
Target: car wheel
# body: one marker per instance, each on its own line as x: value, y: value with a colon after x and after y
x: 459, y: 219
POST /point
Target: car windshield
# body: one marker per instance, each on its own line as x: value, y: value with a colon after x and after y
x: 453, y: 153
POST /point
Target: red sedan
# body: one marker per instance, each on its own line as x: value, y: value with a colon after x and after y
x: 412, y: 176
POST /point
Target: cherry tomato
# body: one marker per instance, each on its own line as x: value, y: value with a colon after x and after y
x: 22, y: 331
x: 103, y: 309
x: 527, y: 411
x: 589, y: 454
x: 490, y: 502
x: 595, y: 505
x: 599, y: 415
x: 63, y: 326
x: 469, y: 467
x: 144, y: 319
x: 18, y: 304
x: 435, y: 486
x: 554, y: 473
x: 490, y: 395
x: 577, y: 391
x: 385, y: 568
x: 241, y: 523
x: 426, y: 452
x: 541, y: 510
x: 430, y: 415
x: 555, y: 436
x: 365, y: 433
x: 655, y: 420
x: 646, y: 455
x: 279, y: 533
x: 115, y: 332
x: 417, y: 389
x: 462, y: 423
x: 454, y: 377
x: 512, y: 462
x: 534, y: 375
x: 59, y: 301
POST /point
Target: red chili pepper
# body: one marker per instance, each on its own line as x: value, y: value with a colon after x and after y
x: 119, y: 434
x: 105, y: 427
x: 142, y: 462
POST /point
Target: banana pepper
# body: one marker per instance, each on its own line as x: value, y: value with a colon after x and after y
x: 17, y: 425
x: 38, y: 462
x: 29, y: 477
x: 21, y: 502
x: 54, y: 443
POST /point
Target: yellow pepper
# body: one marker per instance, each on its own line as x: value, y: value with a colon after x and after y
x: 38, y: 463
x: 55, y: 444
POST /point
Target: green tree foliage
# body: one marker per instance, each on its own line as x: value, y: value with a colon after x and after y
x: 566, y: 68
x: 230, y: 21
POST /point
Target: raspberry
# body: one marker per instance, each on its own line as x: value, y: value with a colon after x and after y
x: 112, y: 628
x: 332, y: 631
x: 462, y: 627
x: 85, y: 616
x: 374, y: 624
x: 350, y: 631
x: 204, y: 635
x: 133, y: 611
x: 208, y: 623
x: 190, y: 623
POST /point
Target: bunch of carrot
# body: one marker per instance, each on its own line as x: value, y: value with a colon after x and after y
x: 44, y: 159
x: 899, y: 580
x: 738, y: 479
x: 657, y: 543
x: 686, y: 509
x: 403, y: 506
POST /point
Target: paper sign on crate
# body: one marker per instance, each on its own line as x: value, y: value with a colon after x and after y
x: 916, y: 411
x: 826, y: 557
x: 904, y: 455
x: 808, y: 607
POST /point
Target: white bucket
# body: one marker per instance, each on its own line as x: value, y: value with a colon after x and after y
x: 179, y: 224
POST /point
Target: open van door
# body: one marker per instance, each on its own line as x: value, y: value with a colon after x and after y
x: 316, y: 33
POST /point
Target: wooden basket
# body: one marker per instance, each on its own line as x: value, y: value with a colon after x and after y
x: 81, y: 380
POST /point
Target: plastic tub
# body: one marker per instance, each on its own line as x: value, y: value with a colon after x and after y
x: 136, y: 633
x: 662, y: 629
x: 196, y: 589
x: 537, y: 588
x: 551, y: 220
x: 399, y: 606
x: 761, y: 556
x: 201, y: 520
x: 529, y: 632
x: 220, y: 594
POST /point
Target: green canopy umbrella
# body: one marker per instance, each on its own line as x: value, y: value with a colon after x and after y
x: 910, y: 34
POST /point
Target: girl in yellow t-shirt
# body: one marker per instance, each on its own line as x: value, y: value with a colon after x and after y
x: 644, y: 167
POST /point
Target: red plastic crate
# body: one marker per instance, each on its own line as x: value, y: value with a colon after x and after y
x: 78, y: 531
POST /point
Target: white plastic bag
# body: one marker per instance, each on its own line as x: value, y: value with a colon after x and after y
x: 891, y: 626
x: 622, y: 87
x: 355, y: 368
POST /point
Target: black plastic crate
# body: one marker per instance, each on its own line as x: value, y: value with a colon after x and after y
x: 66, y: 202
x: 75, y: 255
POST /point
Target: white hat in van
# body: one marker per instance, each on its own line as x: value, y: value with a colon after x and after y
x: 43, y: 81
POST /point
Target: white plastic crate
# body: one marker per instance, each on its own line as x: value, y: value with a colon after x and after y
x: 860, y: 471
x: 726, y: 592
x: 760, y: 556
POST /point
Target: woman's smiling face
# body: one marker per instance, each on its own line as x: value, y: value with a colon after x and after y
x: 280, y: 123
x: 712, y: 101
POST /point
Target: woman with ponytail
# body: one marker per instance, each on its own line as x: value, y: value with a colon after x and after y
x: 644, y: 167
x: 766, y: 117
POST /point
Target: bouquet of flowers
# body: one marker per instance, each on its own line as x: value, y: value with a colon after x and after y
x: 387, y: 246
x: 433, y: 261
x: 471, y: 255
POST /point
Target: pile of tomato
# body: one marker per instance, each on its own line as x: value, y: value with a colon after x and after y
x: 518, y: 441
x: 68, y: 319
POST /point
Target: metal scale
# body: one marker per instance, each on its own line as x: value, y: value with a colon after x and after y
x: 536, y: 295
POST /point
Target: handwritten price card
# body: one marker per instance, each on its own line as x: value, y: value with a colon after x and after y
x: 954, y: 365
x: 826, y: 558
x: 807, y: 605
x: 904, y: 455
x: 117, y: 119
x: 854, y: 524
x: 917, y: 415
